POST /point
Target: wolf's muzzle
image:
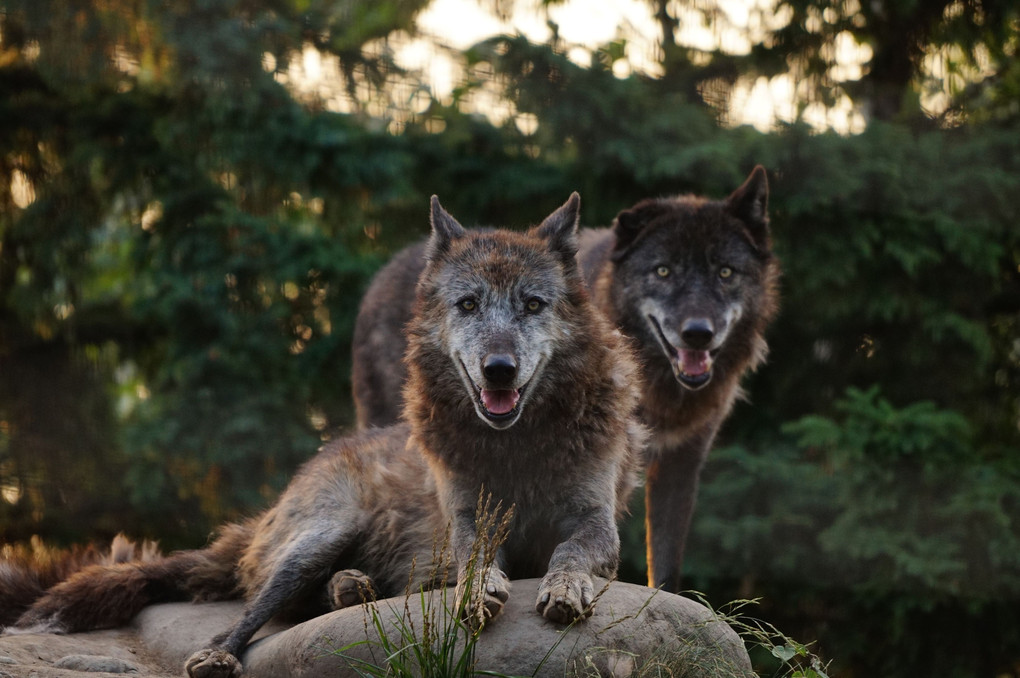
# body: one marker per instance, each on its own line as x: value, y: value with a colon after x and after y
x: 697, y: 333
x: 500, y: 369
x: 691, y: 363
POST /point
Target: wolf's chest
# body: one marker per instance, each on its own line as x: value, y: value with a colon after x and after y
x: 529, y: 546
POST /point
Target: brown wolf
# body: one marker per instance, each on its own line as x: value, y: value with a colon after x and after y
x: 516, y: 386
x: 693, y: 281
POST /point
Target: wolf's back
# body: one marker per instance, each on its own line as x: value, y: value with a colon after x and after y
x: 377, y: 367
x: 107, y: 596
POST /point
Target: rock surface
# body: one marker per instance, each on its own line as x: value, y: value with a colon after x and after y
x: 49, y: 656
x: 632, y: 628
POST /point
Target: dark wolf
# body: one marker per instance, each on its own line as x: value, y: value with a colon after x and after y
x: 516, y: 386
x: 692, y: 281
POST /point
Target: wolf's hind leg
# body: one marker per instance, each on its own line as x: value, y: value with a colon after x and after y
x: 213, y: 664
x: 298, y: 569
x: 348, y: 588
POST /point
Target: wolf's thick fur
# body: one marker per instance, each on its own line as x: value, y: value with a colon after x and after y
x: 693, y: 281
x: 517, y: 386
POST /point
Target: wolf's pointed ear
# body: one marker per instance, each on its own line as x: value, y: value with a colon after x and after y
x: 560, y: 228
x: 445, y: 230
x: 629, y: 223
x: 750, y: 203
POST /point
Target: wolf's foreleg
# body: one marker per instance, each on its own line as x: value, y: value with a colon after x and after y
x: 592, y: 548
x: 671, y: 490
x: 482, y: 585
x: 303, y: 564
x: 487, y: 590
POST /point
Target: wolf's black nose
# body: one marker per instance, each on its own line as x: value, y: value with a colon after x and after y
x: 499, y: 368
x: 697, y: 333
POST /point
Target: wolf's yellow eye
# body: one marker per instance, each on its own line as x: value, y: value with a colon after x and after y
x: 662, y: 271
x: 467, y: 304
x: 725, y: 272
x: 534, y: 305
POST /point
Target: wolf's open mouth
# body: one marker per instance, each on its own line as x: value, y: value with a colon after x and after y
x: 692, y: 368
x: 500, y: 407
x: 500, y: 402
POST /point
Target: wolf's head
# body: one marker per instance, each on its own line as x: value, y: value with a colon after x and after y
x: 690, y: 271
x: 494, y: 305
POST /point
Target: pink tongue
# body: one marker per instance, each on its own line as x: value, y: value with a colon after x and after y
x: 694, y: 363
x: 501, y: 401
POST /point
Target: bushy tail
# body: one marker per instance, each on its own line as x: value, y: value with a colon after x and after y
x: 26, y: 571
x: 107, y: 596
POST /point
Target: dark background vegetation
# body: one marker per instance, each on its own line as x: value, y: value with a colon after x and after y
x: 184, y: 242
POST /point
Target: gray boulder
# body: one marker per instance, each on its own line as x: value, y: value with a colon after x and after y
x: 632, y: 632
x: 95, y: 664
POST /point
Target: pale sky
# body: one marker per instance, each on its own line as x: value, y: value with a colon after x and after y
x: 588, y: 24
x: 583, y: 26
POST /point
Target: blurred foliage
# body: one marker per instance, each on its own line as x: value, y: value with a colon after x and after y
x: 878, y: 526
x: 884, y: 57
x: 184, y: 242
x: 193, y: 241
x: 972, y: 40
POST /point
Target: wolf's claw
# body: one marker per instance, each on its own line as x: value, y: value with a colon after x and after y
x: 348, y: 588
x: 488, y: 593
x: 565, y: 596
x: 213, y: 664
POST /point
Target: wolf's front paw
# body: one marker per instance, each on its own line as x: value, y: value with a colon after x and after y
x: 348, y: 588
x: 565, y: 596
x: 489, y: 590
x: 212, y: 664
